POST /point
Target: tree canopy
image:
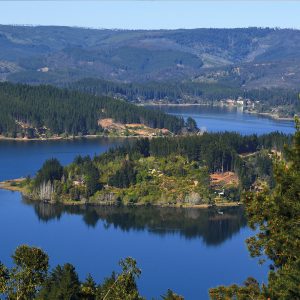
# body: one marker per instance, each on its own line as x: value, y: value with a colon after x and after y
x: 29, y: 278
x: 28, y: 110
x: 275, y: 214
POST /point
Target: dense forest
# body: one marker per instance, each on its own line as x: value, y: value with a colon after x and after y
x: 163, y: 171
x: 31, y: 110
x: 136, y: 92
x: 192, y: 92
x: 181, y: 92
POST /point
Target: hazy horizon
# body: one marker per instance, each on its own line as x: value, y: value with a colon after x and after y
x: 152, y: 15
x: 148, y: 29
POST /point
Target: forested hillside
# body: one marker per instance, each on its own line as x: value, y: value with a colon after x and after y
x: 183, y: 92
x: 178, y: 66
x: 191, y: 92
x: 247, y: 57
x: 45, y: 111
x: 163, y: 171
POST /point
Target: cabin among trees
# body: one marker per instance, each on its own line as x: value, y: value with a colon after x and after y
x: 170, y: 169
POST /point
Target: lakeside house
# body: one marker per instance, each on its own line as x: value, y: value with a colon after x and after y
x: 240, y: 101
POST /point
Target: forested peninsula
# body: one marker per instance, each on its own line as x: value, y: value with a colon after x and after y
x: 211, y: 169
x: 272, y: 212
x: 276, y: 102
x: 47, y: 112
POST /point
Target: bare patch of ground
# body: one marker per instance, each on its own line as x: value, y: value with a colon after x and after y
x: 226, y: 178
x: 133, y: 129
x: 12, y: 185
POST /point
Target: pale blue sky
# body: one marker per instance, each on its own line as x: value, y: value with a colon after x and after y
x: 152, y: 14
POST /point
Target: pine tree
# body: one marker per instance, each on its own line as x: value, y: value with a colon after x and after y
x: 63, y: 283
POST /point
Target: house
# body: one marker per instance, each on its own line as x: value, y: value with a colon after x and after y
x: 78, y: 182
x: 230, y: 101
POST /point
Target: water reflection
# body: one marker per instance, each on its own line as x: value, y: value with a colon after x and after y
x: 208, y: 224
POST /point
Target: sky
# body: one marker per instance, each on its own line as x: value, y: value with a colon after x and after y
x: 153, y: 14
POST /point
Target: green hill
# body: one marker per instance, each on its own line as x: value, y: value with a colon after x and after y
x: 44, y: 111
x: 248, y: 57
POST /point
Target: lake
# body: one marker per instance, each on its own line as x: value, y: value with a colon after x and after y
x: 19, y: 159
x: 187, y: 250
x: 224, y: 118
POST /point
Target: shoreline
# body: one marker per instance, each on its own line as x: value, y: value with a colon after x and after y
x: 267, y: 114
x: 95, y: 136
x: 178, y: 104
x: 3, y: 138
x: 76, y: 137
x: 7, y: 185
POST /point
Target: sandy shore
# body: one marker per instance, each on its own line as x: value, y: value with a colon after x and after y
x: 12, y: 185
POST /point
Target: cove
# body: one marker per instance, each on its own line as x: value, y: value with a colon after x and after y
x: 187, y: 250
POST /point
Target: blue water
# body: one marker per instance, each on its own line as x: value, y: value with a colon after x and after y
x: 188, y: 251
x: 19, y: 159
x: 188, y: 258
x: 214, y: 119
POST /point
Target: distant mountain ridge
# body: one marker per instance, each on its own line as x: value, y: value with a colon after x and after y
x: 245, y: 57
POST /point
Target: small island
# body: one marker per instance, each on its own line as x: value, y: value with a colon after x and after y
x: 206, y: 170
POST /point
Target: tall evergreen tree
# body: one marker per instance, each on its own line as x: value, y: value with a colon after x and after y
x: 63, y: 284
x: 50, y: 171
